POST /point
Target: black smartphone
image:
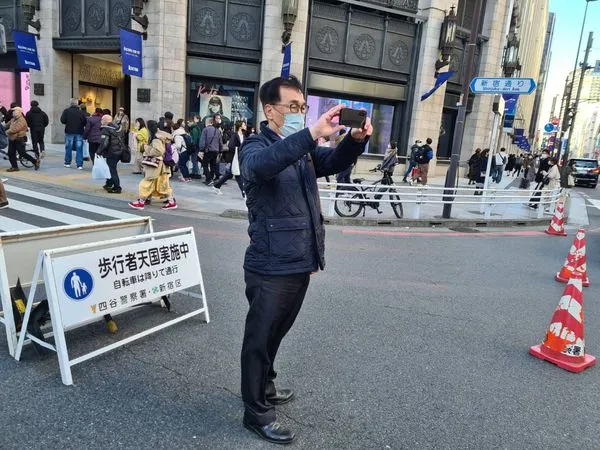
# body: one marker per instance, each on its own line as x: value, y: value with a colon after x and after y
x: 353, y: 118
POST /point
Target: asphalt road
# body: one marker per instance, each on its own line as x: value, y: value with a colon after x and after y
x: 409, y: 339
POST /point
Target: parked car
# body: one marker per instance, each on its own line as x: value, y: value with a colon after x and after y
x: 586, y: 172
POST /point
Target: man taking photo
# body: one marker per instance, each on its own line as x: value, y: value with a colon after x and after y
x: 280, y: 167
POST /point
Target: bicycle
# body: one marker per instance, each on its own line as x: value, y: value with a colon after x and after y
x: 24, y: 161
x: 355, y: 199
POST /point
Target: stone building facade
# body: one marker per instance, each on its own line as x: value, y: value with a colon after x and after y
x: 205, y: 54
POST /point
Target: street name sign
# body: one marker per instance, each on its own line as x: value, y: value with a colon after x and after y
x: 482, y: 85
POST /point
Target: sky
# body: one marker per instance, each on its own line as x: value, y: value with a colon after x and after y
x: 569, y: 17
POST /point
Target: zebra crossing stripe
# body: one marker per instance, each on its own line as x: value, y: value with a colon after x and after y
x: 8, y: 224
x: 58, y: 216
x: 66, y: 202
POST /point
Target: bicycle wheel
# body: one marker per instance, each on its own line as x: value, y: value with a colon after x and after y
x: 25, y: 162
x: 396, y: 205
x: 348, y: 203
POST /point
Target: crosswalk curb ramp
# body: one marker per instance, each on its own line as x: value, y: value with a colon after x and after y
x: 84, y: 282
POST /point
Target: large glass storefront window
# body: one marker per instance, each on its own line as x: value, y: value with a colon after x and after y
x: 7, y: 88
x: 382, y: 116
x: 233, y: 102
x: 10, y: 82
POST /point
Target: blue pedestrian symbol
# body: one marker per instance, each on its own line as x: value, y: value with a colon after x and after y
x: 78, y: 284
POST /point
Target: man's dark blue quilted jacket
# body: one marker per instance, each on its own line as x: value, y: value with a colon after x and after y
x: 286, y: 226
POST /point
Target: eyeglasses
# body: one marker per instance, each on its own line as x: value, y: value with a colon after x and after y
x: 294, y: 107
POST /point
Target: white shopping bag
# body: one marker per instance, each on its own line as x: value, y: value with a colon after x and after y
x: 100, y: 171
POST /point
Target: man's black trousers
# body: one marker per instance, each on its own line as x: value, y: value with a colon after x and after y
x: 37, y: 140
x: 209, y: 165
x: 274, y: 305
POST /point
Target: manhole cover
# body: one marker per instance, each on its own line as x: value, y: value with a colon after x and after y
x: 464, y: 230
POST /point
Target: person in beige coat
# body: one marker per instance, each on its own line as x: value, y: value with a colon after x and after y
x: 157, y: 175
x: 17, y: 136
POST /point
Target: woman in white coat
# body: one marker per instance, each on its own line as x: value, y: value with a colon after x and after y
x: 551, y: 181
x: 235, y: 143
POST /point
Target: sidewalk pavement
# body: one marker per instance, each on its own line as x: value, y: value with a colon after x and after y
x: 199, y: 198
x: 194, y: 196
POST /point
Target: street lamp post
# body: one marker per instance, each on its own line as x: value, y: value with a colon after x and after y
x: 289, y: 13
x: 29, y: 8
x: 459, y: 129
x: 510, y: 61
x: 447, y: 37
x: 565, y: 124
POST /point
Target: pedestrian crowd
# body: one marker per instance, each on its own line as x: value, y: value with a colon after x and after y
x: 418, y: 162
x: 160, y: 150
x: 539, y: 168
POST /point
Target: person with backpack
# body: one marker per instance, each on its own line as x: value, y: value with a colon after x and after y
x: 111, y: 148
x: 181, y: 140
x: 412, y: 161
x: 424, y: 155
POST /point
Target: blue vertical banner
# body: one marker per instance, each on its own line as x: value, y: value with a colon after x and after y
x: 131, y: 53
x: 26, y: 47
x: 287, y: 61
x: 510, y: 109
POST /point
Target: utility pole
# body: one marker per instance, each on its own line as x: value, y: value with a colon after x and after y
x: 584, y: 68
x: 459, y: 128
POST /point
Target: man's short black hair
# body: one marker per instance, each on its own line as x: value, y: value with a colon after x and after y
x: 429, y: 141
x: 502, y: 149
x: 169, y: 115
x: 34, y: 103
x: 271, y: 90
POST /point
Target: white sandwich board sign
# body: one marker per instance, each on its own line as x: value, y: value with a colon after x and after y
x: 86, y: 282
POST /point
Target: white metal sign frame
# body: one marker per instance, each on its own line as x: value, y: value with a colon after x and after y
x: 45, y: 265
x: 19, y: 253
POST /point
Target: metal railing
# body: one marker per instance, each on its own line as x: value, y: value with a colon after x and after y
x: 354, y: 197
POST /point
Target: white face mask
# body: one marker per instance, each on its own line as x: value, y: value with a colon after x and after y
x: 292, y: 123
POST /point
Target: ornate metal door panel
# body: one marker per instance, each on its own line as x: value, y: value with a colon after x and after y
x: 94, y: 18
x: 226, y: 23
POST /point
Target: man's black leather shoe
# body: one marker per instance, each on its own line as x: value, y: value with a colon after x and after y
x: 272, y: 432
x: 281, y: 397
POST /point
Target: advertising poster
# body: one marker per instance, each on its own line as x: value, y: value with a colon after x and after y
x: 215, y: 104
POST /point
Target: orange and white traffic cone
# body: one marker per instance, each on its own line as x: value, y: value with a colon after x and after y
x: 557, y: 226
x: 564, y: 344
x: 575, y: 262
